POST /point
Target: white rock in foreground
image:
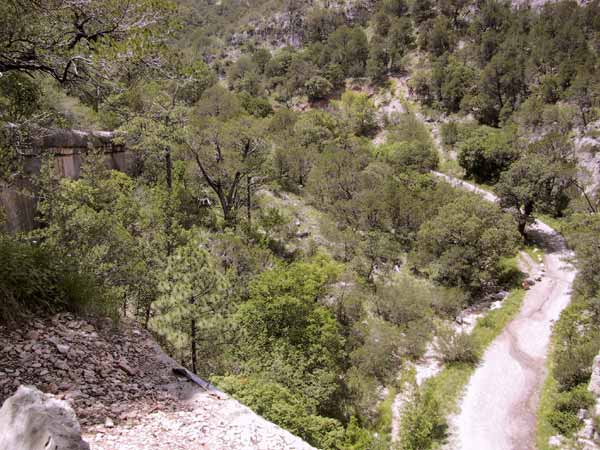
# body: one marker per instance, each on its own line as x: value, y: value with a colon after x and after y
x: 31, y: 420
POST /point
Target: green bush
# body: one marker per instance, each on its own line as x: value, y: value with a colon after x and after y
x: 450, y: 133
x: 257, y: 106
x: 573, y: 362
x: 413, y: 155
x: 378, y: 356
x: 575, y: 399
x: 317, y: 88
x: 563, y: 416
x: 565, y: 422
x: 34, y: 280
x: 487, y: 153
x: 464, y: 245
x: 456, y: 347
x: 288, y: 409
x: 449, y: 302
x: 422, y: 423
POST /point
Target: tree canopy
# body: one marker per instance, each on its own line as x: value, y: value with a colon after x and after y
x: 65, y: 38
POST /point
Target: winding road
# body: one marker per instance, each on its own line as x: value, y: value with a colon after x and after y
x: 498, y: 409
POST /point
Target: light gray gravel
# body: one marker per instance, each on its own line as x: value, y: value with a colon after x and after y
x: 498, y: 410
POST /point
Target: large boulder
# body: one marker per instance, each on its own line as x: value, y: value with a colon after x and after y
x: 32, y: 420
x: 590, y: 431
x: 594, y: 386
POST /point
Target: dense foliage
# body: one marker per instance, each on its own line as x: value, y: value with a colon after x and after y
x: 279, y: 228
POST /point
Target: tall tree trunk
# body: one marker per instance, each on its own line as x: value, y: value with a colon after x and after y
x: 228, y: 215
x: 194, y: 354
x: 583, y: 116
x: 169, y: 168
x: 147, y: 315
x: 524, y: 217
x: 249, y: 199
x: 581, y: 188
x: 169, y: 179
x: 522, y: 224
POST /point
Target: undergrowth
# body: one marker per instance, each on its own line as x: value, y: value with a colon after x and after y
x: 446, y: 387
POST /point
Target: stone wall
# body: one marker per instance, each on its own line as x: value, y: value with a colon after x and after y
x: 67, y: 148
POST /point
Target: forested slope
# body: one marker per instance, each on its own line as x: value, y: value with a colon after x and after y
x: 280, y: 231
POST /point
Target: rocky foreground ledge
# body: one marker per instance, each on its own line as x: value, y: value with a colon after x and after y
x: 124, y: 392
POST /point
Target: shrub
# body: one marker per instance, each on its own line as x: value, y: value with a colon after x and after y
x: 575, y: 366
x: 363, y: 392
x: 449, y: 302
x: 463, y: 246
x: 450, y: 133
x: 573, y: 363
x: 416, y: 336
x: 577, y: 398
x: 317, y: 88
x: 358, y: 112
x: 257, y: 106
x: 564, y: 416
x: 422, y: 423
x: 413, y: 155
x: 288, y: 409
x: 565, y: 422
x: 456, y: 347
x: 405, y: 301
x: 486, y: 154
x: 34, y: 280
x: 378, y: 356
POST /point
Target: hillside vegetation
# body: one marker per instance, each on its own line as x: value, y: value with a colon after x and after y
x: 280, y: 232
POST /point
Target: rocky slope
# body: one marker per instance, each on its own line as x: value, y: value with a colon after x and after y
x: 124, y: 391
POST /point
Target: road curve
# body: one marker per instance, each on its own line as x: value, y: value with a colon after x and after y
x: 498, y: 409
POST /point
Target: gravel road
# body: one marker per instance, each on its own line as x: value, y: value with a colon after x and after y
x: 498, y: 410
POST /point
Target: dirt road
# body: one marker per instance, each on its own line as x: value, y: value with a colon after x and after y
x: 498, y: 410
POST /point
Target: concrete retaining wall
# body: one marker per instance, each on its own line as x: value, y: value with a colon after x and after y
x: 67, y: 148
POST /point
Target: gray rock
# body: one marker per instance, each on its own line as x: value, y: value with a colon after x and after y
x: 63, y: 349
x: 594, y: 386
x: 126, y: 367
x: 587, y: 432
x: 555, y: 441
x: 31, y: 420
x: 33, y: 335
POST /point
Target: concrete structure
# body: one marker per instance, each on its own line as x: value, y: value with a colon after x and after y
x: 67, y: 149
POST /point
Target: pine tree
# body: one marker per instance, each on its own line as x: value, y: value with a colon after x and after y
x: 191, y: 303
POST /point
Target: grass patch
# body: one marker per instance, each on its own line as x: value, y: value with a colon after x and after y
x: 544, y: 429
x: 384, y: 409
x: 484, y: 186
x: 557, y: 224
x: 490, y: 326
x: 534, y: 252
x: 450, y: 167
x: 448, y: 385
x: 36, y: 280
